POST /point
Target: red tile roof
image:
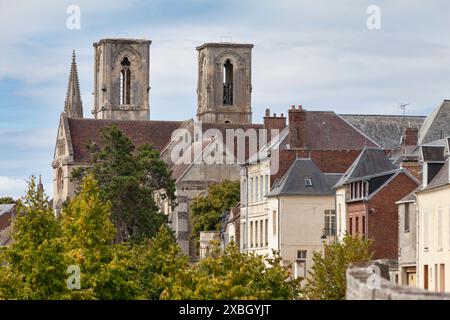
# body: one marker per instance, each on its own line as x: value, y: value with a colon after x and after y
x: 325, y: 130
x: 157, y: 133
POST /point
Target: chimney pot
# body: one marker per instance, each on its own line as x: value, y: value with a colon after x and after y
x: 267, y: 112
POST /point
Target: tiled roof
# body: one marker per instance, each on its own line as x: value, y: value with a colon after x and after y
x: 385, y: 130
x: 157, y: 133
x: 369, y: 162
x: 325, y: 130
x: 293, y: 182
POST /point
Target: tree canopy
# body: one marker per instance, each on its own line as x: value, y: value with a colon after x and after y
x: 7, y: 200
x: 206, y: 209
x: 33, y: 265
x: 230, y: 274
x: 327, y: 279
x: 129, y: 178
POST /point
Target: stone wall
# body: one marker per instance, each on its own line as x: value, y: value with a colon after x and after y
x: 360, y: 286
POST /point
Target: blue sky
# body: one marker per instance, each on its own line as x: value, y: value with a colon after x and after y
x: 316, y: 53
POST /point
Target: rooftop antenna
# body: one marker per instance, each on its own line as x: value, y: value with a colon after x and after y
x: 403, y: 107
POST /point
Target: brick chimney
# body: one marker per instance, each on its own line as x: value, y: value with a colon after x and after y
x: 411, y: 136
x: 297, y: 127
x: 274, y: 122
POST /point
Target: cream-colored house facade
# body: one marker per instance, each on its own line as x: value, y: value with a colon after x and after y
x: 434, y: 239
x: 296, y: 226
x: 301, y: 215
x: 255, y: 185
x: 433, y: 219
x: 341, y: 209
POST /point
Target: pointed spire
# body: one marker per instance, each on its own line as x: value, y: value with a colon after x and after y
x: 40, y: 188
x: 73, y: 106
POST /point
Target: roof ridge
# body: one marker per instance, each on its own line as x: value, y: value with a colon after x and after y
x: 125, y: 120
x: 381, y: 115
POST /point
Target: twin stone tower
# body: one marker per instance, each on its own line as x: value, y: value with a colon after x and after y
x: 122, y: 81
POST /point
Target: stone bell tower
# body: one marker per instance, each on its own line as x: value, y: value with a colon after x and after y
x: 224, y: 83
x: 121, y: 77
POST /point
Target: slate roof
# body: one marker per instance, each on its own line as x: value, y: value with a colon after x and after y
x: 437, y: 124
x: 436, y: 143
x: 441, y: 178
x: 293, y: 182
x: 409, y: 198
x: 371, y: 161
x: 385, y: 130
x: 433, y: 153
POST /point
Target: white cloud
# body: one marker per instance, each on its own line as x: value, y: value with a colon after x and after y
x: 312, y: 52
x: 11, y: 187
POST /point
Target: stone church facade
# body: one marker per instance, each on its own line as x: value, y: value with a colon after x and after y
x: 122, y: 98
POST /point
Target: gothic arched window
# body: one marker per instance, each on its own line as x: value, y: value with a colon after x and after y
x: 228, y: 83
x: 125, y: 81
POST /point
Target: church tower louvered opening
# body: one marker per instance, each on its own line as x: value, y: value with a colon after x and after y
x: 224, y: 83
x: 122, y: 77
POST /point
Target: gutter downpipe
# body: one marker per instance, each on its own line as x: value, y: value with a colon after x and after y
x: 279, y: 225
x: 246, y: 208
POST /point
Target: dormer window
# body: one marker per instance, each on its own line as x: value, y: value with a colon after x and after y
x: 308, y: 182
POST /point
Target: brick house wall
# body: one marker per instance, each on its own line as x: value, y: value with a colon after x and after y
x: 355, y: 213
x: 328, y: 161
x: 383, y: 217
x: 414, y: 167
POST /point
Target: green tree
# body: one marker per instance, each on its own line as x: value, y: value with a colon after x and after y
x: 162, y: 261
x: 129, y: 178
x: 206, y: 209
x: 327, y: 278
x: 230, y: 274
x: 33, y: 266
x: 86, y: 233
x: 115, y: 271
x: 7, y: 200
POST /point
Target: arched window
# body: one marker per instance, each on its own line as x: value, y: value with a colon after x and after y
x: 125, y: 81
x: 228, y: 83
